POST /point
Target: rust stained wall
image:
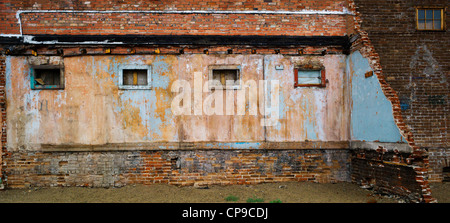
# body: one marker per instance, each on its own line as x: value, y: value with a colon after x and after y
x: 91, y: 110
x: 309, y: 113
x: 220, y: 127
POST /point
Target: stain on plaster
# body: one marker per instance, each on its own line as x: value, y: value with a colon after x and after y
x: 92, y: 110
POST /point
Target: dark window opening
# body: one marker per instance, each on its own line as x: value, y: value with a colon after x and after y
x: 446, y: 174
x: 225, y: 75
x: 47, y: 77
x: 44, y: 77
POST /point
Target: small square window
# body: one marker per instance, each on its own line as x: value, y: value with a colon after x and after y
x: 430, y: 18
x: 135, y: 77
x: 309, y: 77
x: 225, y: 76
x: 47, y: 77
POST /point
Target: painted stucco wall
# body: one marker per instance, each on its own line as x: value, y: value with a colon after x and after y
x: 92, y: 110
x: 371, y: 113
x: 309, y: 113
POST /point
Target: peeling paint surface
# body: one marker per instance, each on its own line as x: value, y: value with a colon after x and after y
x: 372, y: 117
x: 234, y: 128
x: 308, y: 113
x: 92, y: 110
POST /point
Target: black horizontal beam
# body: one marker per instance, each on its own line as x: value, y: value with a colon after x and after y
x: 252, y: 40
x: 6, y: 40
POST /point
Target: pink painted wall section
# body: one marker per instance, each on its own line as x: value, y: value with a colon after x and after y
x: 224, y: 127
x: 309, y: 113
x: 92, y: 110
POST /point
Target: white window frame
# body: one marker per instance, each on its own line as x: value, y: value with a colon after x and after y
x: 135, y: 67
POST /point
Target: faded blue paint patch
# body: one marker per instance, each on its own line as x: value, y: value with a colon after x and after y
x: 269, y: 106
x: 144, y: 99
x: 282, y: 104
x: 8, y: 74
x: 28, y: 111
x: 371, y: 117
x: 160, y: 73
x: 234, y: 145
x: 309, y: 125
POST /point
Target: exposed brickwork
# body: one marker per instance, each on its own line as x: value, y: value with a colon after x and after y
x: 411, y: 72
x: 386, y: 172
x: 179, y: 24
x: 416, y: 65
x: 439, y: 159
x: 99, y: 169
x: 2, y: 110
x: 151, y: 23
x: 366, y: 47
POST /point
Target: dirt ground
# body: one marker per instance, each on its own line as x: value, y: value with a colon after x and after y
x: 287, y: 192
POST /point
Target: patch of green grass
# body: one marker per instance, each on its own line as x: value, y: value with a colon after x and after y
x: 231, y: 198
x: 255, y: 200
x: 276, y: 201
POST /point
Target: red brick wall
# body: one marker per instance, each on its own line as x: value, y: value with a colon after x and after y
x: 416, y: 64
x: 417, y: 67
x: 387, y: 173
x: 151, y: 23
x: 2, y: 110
x: 100, y: 169
x: 391, y: 60
x: 179, y: 24
x: 419, y: 161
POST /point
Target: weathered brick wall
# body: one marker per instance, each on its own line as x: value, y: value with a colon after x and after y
x: 386, y: 172
x: 2, y: 111
x: 418, y: 157
x: 177, y: 167
x: 439, y: 159
x: 179, y: 24
x: 234, y: 166
x: 416, y: 64
x: 162, y: 23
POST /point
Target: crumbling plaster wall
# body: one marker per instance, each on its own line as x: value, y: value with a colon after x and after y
x: 94, y: 134
x: 91, y: 110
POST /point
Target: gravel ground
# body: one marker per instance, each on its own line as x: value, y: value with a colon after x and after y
x: 287, y: 192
